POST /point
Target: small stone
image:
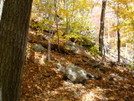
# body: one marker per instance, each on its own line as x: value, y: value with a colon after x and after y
x: 110, y: 78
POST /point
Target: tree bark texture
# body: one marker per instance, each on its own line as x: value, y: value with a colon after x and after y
x: 118, y: 44
x: 118, y: 36
x: 101, y: 32
x: 13, y: 34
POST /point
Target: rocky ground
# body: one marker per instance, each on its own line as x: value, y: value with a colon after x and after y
x: 43, y: 82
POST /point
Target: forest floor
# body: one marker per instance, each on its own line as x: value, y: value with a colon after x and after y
x: 42, y: 81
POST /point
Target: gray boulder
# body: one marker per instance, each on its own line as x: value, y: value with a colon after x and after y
x: 74, y: 73
x: 38, y: 47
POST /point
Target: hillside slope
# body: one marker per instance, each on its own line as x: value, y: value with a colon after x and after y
x: 42, y: 81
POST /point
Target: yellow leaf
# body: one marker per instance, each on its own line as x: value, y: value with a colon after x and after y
x: 111, y: 98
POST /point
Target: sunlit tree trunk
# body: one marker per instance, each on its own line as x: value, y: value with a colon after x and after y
x: 49, y: 47
x: 56, y: 18
x: 101, y: 32
x: 1, y: 7
x: 67, y: 17
x: 13, y: 35
x: 49, y: 34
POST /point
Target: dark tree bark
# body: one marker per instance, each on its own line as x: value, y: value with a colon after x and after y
x: 118, y: 44
x: 13, y: 34
x: 118, y: 37
x: 101, y: 32
x: 1, y: 6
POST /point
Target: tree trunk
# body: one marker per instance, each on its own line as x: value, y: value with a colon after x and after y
x: 118, y: 35
x: 101, y: 32
x: 118, y: 40
x: 13, y: 35
x: 118, y: 44
x: 67, y: 18
x: 1, y: 7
